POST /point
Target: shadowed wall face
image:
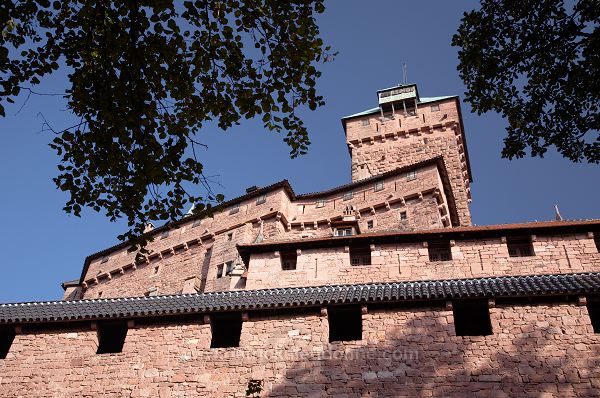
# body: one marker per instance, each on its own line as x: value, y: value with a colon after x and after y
x: 535, y: 351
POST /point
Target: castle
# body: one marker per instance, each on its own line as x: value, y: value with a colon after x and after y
x: 379, y: 287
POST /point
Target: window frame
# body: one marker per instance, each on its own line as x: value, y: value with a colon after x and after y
x: 288, y: 260
x: 261, y: 199
x: 439, y: 251
x: 358, y: 255
x: 379, y: 186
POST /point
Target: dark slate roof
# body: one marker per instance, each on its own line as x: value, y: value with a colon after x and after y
x: 496, y: 287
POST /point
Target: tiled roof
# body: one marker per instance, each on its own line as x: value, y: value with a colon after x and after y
x: 507, y: 286
x: 422, y: 100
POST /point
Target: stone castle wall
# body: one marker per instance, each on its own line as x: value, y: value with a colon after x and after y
x: 546, y: 349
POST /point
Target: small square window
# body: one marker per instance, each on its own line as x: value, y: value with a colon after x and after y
x: 411, y: 175
x: 220, y: 270
x: 439, y: 251
x: 7, y: 336
x: 228, y: 267
x: 435, y: 108
x: 378, y: 186
x: 104, y: 260
x: 348, y: 196
x: 593, y: 307
x: 345, y: 323
x: 261, y: 199
x: 111, y: 336
x: 344, y: 231
x: 288, y: 260
x: 370, y: 224
x: 471, y: 318
x: 360, y: 255
x: 226, y: 329
x: 196, y: 223
x: 234, y: 210
x: 403, y: 216
x: 165, y: 234
x: 519, y: 247
x: 230, y: 236
x: 319, y: 204
x: 365, y: 122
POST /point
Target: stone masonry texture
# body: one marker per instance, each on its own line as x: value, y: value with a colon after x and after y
x: 409, y: 194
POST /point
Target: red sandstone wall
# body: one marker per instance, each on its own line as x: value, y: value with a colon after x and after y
x: 405, y: 262
x: 535, y: 351
x: 380, y: 147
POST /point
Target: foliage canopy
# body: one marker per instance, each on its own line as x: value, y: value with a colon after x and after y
x: 538, y: 64
x: 145, y: 75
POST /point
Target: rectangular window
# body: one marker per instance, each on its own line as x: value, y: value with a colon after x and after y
x: 365, y: 122
x: 471, y: 318
x: 220, y: 270
x: 234, y: 210
x: 165, y: 234
x: 344, y: 231
x: 319, y: 204
x: 403, y: 216
x: 288, y: 260
x: 360, y: 255
x: 228, y: 267
x: 593, y: 307
x: 230, y: 236
x: 261, y: 199
x: 111, y: 336
x: 370, y: 224
x: 435, y: 108
x: 345, y: 323
x: 348, y: 196
x: 411, y: 175
x: 7, y: 336
x: 378, y: 186
x: 104, y: 260
x: 196, y: 223
x: 439, y: 251
x: 519, y: 246
x: 226, y: 329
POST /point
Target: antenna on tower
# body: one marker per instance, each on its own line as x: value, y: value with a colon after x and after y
x: 404, y: 73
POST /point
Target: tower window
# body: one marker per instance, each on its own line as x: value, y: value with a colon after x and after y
x: 471, y: 318
x: 378, y: 186
x: 439, y: 251
x: 435, y: 108
x: 234, y: 210
x: 593, y: 307
x: 403, y: 216
x: 261, y: 199
x: 7, y: 336
x: 348, y: 196
x: 345, y: 323
x: 226, y: 329
x: 370, y: 224
x: 360, y: 255
x: 365, y: 122
x: 230, y: 236
x: 411, y: 175
x: 220, y: 270
x: 519, y: 247
x: 288, y: 260
x: 319, y: 204
x: 111, y: 336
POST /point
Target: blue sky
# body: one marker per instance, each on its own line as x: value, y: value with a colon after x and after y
x: 41, y: 246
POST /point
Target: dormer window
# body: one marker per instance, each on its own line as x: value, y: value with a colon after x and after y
x: 345, y: 231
